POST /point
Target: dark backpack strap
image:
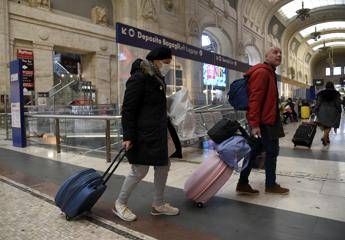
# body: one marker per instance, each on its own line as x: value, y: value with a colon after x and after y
x: 243, y: 132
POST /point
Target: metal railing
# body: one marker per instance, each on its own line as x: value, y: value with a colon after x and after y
x: 206, y: 117
x: 58, y: 117
x: 5, y: 122
x: 34, y: 116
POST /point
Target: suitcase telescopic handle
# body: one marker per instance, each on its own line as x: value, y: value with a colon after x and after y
x: 109, y: 172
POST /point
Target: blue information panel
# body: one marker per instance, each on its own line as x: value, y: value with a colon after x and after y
x: 140, y: 38
x: 17, y: 106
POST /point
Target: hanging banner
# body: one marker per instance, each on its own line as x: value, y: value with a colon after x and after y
x: 27, y: 57
x: 136, y: 37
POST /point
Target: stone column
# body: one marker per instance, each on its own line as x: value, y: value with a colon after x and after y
x: 125, y: 11
x: 102, y: 78
x: 43, y: 64
x: 193, y: 73
x: 113, y: 79
x: 4, y: 47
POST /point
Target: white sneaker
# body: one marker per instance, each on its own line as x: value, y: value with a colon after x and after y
x: 165, y: 209
x: 123, y: 212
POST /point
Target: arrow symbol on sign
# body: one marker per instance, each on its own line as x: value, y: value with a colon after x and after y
x: 25, y: 67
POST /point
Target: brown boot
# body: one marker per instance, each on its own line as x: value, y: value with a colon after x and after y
x: 277, y: 189
x: 246, y: 189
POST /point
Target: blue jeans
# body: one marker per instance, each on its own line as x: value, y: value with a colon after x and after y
x: 271, y: 147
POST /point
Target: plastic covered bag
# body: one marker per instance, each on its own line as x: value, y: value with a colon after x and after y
x: 186, y: 129
x: 234, y: 152
x: 178, y: 105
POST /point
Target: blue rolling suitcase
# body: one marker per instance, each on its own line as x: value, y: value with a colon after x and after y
x: 81, y: 191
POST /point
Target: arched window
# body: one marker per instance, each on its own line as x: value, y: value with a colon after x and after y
x: 208, y: 42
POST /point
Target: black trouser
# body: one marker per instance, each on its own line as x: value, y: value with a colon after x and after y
x: 271, y: 147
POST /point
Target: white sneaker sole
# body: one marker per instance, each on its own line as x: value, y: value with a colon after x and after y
x: 124, y: 219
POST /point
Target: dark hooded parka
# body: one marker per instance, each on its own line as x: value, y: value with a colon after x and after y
x: 328, y: 108
x: 144, y: 115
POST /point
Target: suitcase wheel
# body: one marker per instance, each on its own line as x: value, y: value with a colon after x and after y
x: 199, y: 204
x: 68, y: 218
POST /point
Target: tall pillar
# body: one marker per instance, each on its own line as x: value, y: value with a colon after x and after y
x: 4, y: 47
x: 113, y: 79
x: 125, y: 12
x: 43, y: 66
x: 193, y: 73
x: 102, y: 78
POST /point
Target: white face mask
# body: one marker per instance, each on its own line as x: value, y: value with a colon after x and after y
x: 164, y: 69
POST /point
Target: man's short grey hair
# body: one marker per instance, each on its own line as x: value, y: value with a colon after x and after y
x: 271, y: 49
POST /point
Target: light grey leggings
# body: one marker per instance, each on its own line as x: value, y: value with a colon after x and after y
x: 137, y: 173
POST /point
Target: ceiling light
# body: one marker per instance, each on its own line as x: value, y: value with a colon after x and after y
x: 303, y: 13
x: 330, y: 59
x: 324, y: 48
x: 316, y: 35
x: 329, y: 44
x: 325, y: 26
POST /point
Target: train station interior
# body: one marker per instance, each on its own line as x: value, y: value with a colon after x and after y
x: 63, y: 72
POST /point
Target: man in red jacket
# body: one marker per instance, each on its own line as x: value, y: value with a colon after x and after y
x: 264, y: 120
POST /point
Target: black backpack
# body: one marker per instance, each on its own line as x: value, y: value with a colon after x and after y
x: 223, y: 129
x: 238, y: 94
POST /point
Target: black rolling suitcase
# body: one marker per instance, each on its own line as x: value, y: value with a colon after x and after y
x: 305, y: 134
x: 81, y: 191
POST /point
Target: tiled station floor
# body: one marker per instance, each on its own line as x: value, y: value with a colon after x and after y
x: 314, y: 209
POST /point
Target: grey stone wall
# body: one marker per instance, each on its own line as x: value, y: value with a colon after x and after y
x: 83, y: 7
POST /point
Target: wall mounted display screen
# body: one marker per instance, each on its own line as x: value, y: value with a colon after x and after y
x: 214, y: 75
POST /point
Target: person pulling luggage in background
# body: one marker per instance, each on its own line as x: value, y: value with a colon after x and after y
x: 264, y: 120
x: 328, y: 111
x: 290, y: 113
x: 145, y: 131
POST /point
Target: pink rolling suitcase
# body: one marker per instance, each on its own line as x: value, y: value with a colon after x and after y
x: 207, y: 179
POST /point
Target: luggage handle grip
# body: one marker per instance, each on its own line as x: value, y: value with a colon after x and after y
x: 106, y: 176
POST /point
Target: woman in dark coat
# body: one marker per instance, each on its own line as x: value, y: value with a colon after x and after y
x: 145, y: 131
x: 328, y: 110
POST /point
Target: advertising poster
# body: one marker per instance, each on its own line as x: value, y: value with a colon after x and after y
x: 214, y: 75
x: 27, y: 57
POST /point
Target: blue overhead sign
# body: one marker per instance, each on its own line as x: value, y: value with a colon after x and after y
x: 136, y: 37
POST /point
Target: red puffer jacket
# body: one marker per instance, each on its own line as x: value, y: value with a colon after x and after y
x: 262, y: 95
